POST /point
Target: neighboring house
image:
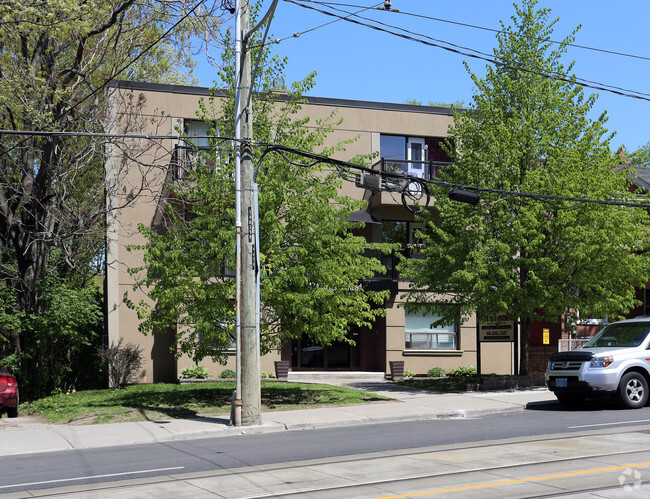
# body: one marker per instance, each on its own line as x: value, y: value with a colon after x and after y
x: 404, y: 137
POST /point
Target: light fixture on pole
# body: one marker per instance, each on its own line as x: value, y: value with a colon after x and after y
x: 464, y: 196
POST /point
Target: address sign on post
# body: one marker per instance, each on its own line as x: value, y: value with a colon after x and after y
x: 502, y: 328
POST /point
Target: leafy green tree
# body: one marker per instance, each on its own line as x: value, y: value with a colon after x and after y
x: 528, y: 133
x: 312, y: 266
x: 641, y: 157
x: 55, y: 60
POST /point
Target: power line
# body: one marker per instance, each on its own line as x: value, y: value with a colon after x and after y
x: 407, y: 182
x: 492, y: 30
x: 342, y: 167
x: 416, y: 33
x: 573, y: 79
x: 120, y: 71
x: 297, y: 34
x: 141, y: 54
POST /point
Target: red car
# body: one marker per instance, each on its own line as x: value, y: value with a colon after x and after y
x: 8, y: 393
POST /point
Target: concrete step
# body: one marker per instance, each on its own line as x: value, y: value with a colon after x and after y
x: 325, y: 376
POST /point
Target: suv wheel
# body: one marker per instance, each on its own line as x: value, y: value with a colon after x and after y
x: 633, y: 390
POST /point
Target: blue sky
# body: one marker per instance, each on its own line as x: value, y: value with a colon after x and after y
x: 354, y: 62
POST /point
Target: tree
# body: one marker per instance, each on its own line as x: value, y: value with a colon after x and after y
x: 528, y: 132
x: 55, y: 60
x: 641, y: 157
x: 312, y: 266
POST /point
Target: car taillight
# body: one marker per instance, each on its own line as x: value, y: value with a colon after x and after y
x: 6, y: 382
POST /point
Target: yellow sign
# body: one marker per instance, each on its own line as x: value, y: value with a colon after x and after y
x: 546, y: 333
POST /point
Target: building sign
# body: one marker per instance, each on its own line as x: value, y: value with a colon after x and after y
x: 501, y: 328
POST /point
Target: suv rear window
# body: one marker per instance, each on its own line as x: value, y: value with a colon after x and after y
x: 626, y: 334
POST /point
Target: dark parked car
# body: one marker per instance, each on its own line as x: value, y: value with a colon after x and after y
x: 8, y: 393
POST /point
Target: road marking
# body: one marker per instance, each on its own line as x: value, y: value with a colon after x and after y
x: 516, y: 480
x: 111, y: 475
x: 609, y: 424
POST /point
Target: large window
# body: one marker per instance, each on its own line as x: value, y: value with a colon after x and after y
x: 197, y: 131
x: 416, y: 156
x: 402, y: 232
x: 395, y: 231
x: 392, y: 147
x: 420, y: 335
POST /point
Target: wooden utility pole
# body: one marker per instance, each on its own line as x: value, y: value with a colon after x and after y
x: 248, y: 392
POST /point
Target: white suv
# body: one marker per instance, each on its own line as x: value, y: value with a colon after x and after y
x: 615, y: 362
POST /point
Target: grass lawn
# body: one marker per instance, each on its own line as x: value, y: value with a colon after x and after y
x: 150, y: 402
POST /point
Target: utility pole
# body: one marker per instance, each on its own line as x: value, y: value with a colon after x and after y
x: 247, y: 403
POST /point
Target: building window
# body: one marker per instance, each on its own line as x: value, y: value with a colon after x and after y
x: 421, y: 336
x: 197, y: 131
x: 404, y: 233
x: 395, y: 231
x: 392, y: 147
x: 436, y: 151
x: 416, y: 156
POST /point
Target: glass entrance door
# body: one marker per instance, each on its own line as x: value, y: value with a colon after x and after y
x: 305, y: 354
x: 415, y: 153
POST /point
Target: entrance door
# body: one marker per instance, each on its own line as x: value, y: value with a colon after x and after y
x: 415, y: 154
x: 305, y: 354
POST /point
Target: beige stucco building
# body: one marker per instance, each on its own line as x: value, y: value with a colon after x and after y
x: 406, y: 136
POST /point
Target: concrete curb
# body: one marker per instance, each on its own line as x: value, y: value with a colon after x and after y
x: 410, y: 406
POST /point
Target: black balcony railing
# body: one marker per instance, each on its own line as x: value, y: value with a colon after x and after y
x: 390, y: 277
x: 422, y: 169
x: 388, y: 260
x: 185, y: 157
x: 182, y: 162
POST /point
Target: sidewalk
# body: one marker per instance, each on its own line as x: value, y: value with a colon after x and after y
x: 23, y: 435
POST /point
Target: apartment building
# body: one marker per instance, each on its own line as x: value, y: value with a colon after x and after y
x: 403, y: 137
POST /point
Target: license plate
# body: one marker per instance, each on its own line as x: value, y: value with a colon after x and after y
x: 561, y: 382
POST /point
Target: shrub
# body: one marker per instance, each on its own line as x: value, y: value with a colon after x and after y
x: 195, y: 372
x: 436, y: 372
x: 463, y: 371
x: 408, y: 374
x: 123, y: 362
x: 265, y: 374
x: 227, y: 373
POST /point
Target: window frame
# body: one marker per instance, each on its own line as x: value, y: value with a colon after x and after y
x: 433, y: 335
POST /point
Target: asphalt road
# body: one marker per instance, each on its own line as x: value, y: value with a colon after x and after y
x: 540, y: 422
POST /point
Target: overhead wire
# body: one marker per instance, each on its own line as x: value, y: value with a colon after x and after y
x: 492, y: 30
x: 300, y: 33
x: 558, y: 77
x: 345, y: 166
x: 121, y: 70
x: 342, y: 167
x: 417, y: 34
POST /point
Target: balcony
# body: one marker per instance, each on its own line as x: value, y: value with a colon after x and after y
x: 183, y: 159
x: 422, y: 169
x: 386, y: 280
x: 390, y: 278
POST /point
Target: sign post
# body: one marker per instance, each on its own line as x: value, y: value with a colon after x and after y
x: 546, y: 339
x: 499, y: 329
